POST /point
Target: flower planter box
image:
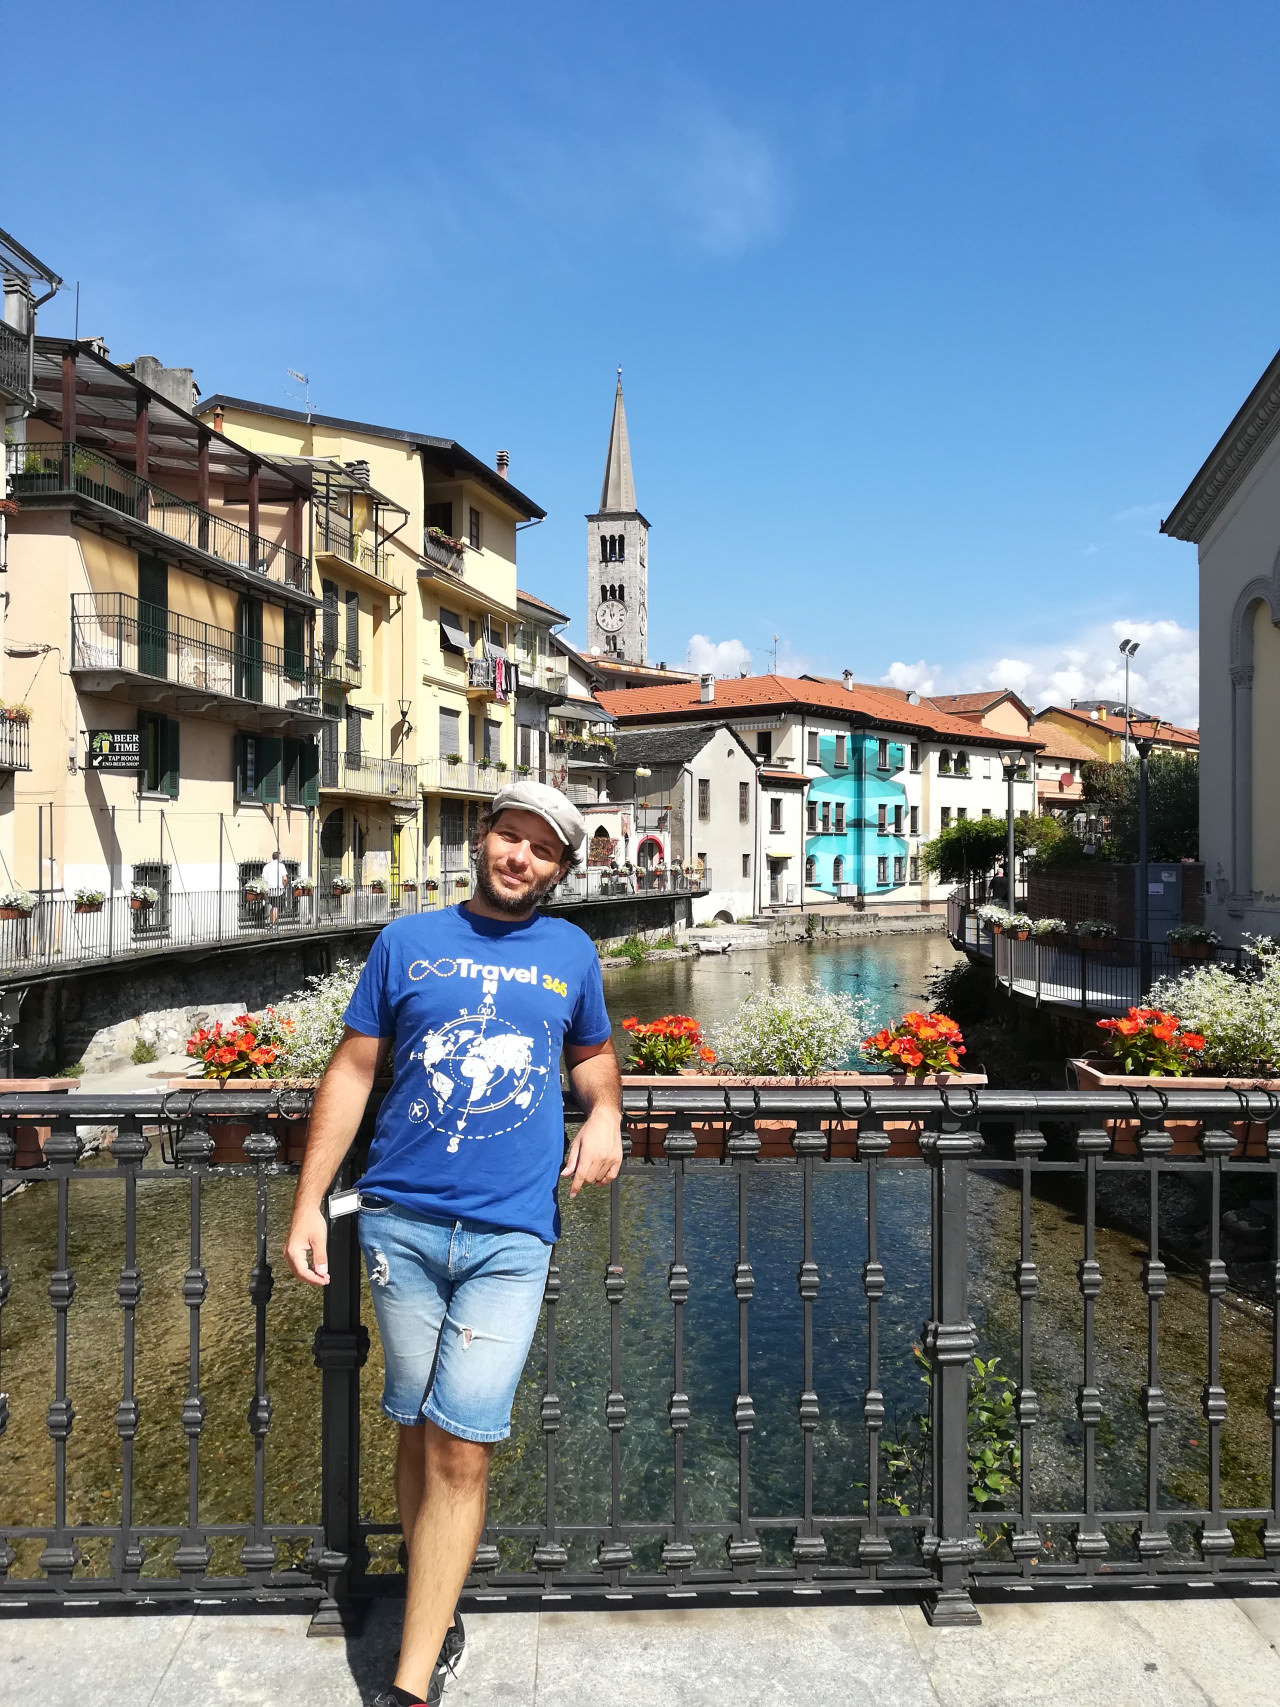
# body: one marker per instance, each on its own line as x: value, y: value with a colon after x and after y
x: 1250, y: 1135
x: 1191, y: 950
x: 139, y: 906
x: 13, y: 913
x: 1054, y: 939
x: 290, y: 1132
x: 1018, y: 935
x: 776, y: 1135
x: 29, y: 1136
x: 88, y: 906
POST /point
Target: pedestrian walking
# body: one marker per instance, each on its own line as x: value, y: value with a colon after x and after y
x: 457, y: 1206
x: 276, y: 877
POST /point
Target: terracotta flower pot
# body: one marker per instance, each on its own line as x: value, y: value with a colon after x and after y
x: 290, y: 1132
x: 13, y: 913
x: 139, y: 905
x: 1191, y: 950
x: 30, y: 1137
x: 88, y: 906
x: 1250, y: 1135
x: 1019, y: 935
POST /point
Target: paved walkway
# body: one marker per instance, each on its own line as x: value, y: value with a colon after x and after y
x: 1144, y: 1653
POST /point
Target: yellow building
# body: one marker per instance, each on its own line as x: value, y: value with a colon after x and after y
x: 1101, y: 728
x: 438, y: 613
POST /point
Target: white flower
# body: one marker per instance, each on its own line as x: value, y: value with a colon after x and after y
x: 794, y: 1029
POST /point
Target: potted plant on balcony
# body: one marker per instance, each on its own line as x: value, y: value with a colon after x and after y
x: 302, y: 887
x: 89, y: 900
x: 142, y: 897
x: 246, y: 1049
x: 377, y: 885
x: 17, y: 713
x: 17, y: 904
x: 453, y: 758
x: 993, y: 917
x: 500, y: 765
x: 461, y: 881
x: 1095, y: 933
x: 1018, y: 926
x: 256, y: 892
x: 483, y: 764
x: 431, y: 885
x: 408, y: 886
x: 1192, y: 942
x: 1051, y: 933
x: 342, y: 886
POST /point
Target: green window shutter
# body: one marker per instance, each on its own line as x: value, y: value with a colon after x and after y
x: 290, y: 767
x: 242, y: 766
x: 309, y: 773
x: 270, y: 749
x: 169, y: 757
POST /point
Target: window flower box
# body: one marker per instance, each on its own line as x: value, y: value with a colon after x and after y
x: 89, y: 900
x: 17, y: 904
x: 142, y: 897
x: 342, y: 886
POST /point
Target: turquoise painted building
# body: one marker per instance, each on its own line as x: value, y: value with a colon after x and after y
x: 858, y: 818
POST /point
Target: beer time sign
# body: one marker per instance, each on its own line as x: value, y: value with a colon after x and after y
x: 114, y: 750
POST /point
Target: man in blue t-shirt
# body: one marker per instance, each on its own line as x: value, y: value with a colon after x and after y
x: 457, y: 1207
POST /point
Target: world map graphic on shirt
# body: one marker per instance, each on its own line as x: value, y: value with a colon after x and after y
x: 476, y: 1065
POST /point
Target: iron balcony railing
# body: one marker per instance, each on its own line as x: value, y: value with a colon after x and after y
x: 599, y: 883
x: 114, y: 631
x: 15, y: 743
x: 339, y: 665
x: 764, y: 1366
x: 335, y: 536
x: 441, y: 556
x: 60, y: 934
x: 61, y: 470
x: 468, y: 776
x: 15, y: 369
x: 1107, y: 976
x: 599, y: 752
x: 359, y: 773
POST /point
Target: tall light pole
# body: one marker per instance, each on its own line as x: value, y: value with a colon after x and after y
x: 1010, y: 758
x: 1128, y: 648
x: 1144, y: 746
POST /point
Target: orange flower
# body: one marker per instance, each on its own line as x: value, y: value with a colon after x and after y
x: 707, y: 1056
x: 1191, y: 1040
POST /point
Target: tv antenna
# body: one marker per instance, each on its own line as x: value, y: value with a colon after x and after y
x: 305, y: 383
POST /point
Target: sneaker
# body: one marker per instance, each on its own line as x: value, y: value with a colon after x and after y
x: 453, y: 1650
x: 435, y: 1691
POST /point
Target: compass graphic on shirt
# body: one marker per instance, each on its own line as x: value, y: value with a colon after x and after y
x: 476, y: 1066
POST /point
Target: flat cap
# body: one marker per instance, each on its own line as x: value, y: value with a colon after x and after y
x: 550, y: 805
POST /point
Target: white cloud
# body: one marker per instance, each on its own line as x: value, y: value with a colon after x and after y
x: 1139, y: 513
x: 722, y: 182
x: 720, y: 657
x: 1164, y: 677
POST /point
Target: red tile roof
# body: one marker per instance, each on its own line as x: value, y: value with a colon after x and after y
x: 1168, y: 734
x: 736, y: 694
x: 532, y: 599
x: 1060, y: 743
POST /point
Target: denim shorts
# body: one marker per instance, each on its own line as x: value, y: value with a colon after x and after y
x: 457, y: 1304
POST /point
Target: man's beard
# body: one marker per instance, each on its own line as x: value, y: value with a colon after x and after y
x: 503, y: 900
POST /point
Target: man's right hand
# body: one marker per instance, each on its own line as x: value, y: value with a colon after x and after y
x: 308, y: 1237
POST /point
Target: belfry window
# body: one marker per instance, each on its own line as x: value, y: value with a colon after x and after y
x: 622, y: 548
x: 604, y: 549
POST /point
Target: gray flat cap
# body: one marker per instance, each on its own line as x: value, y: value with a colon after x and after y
x: 550, y: 805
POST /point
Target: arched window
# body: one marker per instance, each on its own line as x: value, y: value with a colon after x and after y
x: 837, y: 869
x: 944, y: 762
x: 962, y: 764
x: 622, y: 593
x: 622, y: 548
x: 810, y: 869
x: 613, y: 548
x: 604, y: 549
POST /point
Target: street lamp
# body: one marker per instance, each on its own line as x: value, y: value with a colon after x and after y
x: 1128, y: 648
x: 1144, y: 745
x: 1010, y: 758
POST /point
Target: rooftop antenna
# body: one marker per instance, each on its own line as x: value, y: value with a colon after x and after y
x: 77, y: 336
x: 774, y: 669
x: 305, y: 383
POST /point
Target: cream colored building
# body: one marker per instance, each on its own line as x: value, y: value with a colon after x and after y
x: 432, y: 713
x: 1231, y: 513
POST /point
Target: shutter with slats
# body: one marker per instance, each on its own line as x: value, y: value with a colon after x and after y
x: 309, y: 773
x: 270, y: 754
x: 353, y: 625
x: 169, y: 757
x: 329, y: 618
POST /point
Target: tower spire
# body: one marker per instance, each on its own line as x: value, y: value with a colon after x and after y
x: 618, y: 492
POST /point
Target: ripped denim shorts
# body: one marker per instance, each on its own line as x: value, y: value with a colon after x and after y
x: 457, y: 1304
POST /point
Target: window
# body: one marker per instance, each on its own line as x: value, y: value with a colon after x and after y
x: 248, y: 672
x: 473, y: 528
x: 882, y: 755
x: 986, y: 811
x: 604, y: 555
x: 295, y: 645
x: 472, y: 631
x: 159, y: 772
x: 842, y: 750
x: 153, y: 617
x: 452, y: 635
x: 944, y: 763
x: 882, y: 819
x: 811, y: 817
x: 355, y: 734
x: 353, y: 625
x: 986, y: 767
x: 900, y: 869
x: 301, y: 763
x: 915, y: 820
x: 775, y: 814
x: 915, y: 755
x: 915, y: 868
x: 837, y: 869
x: 962, y: 764
x: 810, y: 869
x: 744, y: 802
x: 826, y: 817
x: 259, y: 760
x: 882, y: 870
x: 813, y: 746
x: 492, y: 740
x: 1024, y: 814
x: 441, y: 516
x: 622, y: 554
x: 151, y: 921
x: 764, y: 743
x: 329, y: 618
x: 746, y: 865
x: 946, y: 817
x: 450, y: 733
x: 453, y: 838
x: 897, y: 820
x: 704, y: 799
x: 962, y: 813
x: 839, y: 817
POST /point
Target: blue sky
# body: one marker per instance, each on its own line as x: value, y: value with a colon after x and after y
x: 926, y: 314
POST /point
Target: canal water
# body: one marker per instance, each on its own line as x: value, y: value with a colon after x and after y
x: 892, y: 972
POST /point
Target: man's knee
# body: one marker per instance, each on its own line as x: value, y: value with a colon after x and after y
x: 464, y: 1463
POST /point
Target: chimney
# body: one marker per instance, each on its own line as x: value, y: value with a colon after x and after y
x: 358, y: 470
x: 708, y: 688
x: 175, y: 384
x: 847, y: 678
x: 217, y: 419
x: 504, y: 463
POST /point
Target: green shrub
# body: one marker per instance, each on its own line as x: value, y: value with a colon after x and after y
x: 143, y: 1052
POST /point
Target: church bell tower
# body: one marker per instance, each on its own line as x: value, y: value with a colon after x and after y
x: 618, y: 555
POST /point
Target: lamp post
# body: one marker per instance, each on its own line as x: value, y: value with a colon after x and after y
x: 1128, y: 648
x: 1144, y: 746
x: 1010, y: 758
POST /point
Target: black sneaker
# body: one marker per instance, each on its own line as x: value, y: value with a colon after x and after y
x: 435, y: 1690
x: 453, y: 1650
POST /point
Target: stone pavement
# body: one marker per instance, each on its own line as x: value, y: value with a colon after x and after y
x: 1139, y: 1653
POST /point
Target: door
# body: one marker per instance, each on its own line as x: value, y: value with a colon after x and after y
x: 332, y: 848
x: 249, y: 649
x: 777, y: 873
x: 153, y: 617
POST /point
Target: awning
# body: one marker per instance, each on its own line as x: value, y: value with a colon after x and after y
x: 783, y: 857
x: 452, y: 637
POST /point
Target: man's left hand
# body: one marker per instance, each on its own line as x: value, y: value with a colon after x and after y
x: 595, y: 1156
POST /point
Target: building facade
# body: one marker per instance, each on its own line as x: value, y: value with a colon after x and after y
x: 618, y: 555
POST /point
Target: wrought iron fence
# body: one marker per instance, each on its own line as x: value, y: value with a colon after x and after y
x: 714, y: 1403
x: 14, y: 363
x: 464, y: 777
x: 361, y: 773
x: 57, y: 470
x: 15, y: 743
x: 115, y: 631
x: 599, y: 883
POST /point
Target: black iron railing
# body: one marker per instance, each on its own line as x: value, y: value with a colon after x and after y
x: 15, y: 374
x: 337, y: 664
x: 44, y: 470
x: 114, y: 631
x: 723, y: 1397
x: 15, y: 743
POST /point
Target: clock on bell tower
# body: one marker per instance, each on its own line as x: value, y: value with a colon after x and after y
x: 618, y: 554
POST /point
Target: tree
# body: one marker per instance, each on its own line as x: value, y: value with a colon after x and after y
x: 975, y: 846
x: 1173, y: 806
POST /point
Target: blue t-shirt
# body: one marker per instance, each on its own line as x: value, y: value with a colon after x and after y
x: 473, y: 1126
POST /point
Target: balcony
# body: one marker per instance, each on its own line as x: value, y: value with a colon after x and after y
x: 53, y: 475
x: 482, y: 680
x: 364, y: 553
x: 358, y: 773
x: 126, y: 650
x: 583, y: 749
x: 339, y: 665
x: 15, y: 743
x: 14, y: 365
x: 441, y: 556
x: 438, y: 776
